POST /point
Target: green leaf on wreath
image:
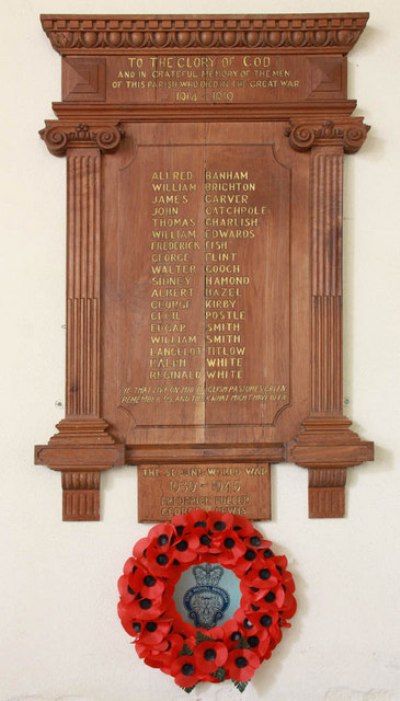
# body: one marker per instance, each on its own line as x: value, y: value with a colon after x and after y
x: 242, y: 644
x: 219, y: 674
x: 201, y: 638
x: 240, y: 685
x: 185, y: 651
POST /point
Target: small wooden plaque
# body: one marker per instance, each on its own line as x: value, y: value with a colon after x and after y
x: 166, y: 490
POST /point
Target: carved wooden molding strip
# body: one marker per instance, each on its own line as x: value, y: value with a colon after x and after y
x: 310, y: 32
x: 245, y: 112
x: 140, y: 454
x: 350, y: 134
x: 58, y: 137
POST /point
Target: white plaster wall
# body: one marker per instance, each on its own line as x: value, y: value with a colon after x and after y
x: 59, y: 632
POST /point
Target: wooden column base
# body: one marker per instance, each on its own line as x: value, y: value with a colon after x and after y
x: 81, y: 496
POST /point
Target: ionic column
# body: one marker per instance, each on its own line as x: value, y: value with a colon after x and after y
x: 325, y: 445
x: 83, y: 447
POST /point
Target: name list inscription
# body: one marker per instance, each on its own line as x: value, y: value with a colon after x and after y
x: 210, y: 257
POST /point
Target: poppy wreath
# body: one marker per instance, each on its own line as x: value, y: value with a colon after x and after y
x: 236, y: 648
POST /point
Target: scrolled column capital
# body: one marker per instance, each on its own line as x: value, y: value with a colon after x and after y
x: 349, y: 133
x: 60, y: 136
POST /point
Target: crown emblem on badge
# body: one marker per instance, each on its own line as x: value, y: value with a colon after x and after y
x: 208, y: 575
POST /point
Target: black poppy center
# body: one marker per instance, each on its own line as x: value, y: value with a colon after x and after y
x: 229, y: 543
x: 270, y: 597
x: 247, y: 623
x: 149, y: 581
x: 253, y: 640
x: 264, y: 574
x: 137, y: 627
x: 200, y: 524
x: 236, y: 636
x: 187, y: 669
x: 210, y: 654
x: 250, y: 554
x: 163, y: 539
x: 219, y: 525
x: 266, y: 621
x: 241, y: 662
x: 205, y: 540
x: 255, y: 540
x: 182, y: 546
x: 151, y: 626
x: 268, y: 553
x: 145, y: 604
x: 162, y: 559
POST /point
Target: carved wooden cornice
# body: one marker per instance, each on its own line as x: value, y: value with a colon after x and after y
x: 59, y: 136
x: 349, y: 133
x: 311, y: 33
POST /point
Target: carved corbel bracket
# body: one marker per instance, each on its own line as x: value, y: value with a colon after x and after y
x: 327, y: 447
x: 59, y: 136
x: 349, y: 133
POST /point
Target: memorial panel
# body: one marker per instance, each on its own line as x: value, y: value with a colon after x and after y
x: 204, y: 293
x: 166, y: 490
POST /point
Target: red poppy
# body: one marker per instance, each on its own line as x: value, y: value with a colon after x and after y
x: 185, y: 672
x: 231, y: 547
x: 218, y: 522
x: 241, y: 664
x: 145, y: 609
x: 210, y: 655
x: 185, y: 548
x: 146, y: 584
x: 264, y: 597
x: 245, y: 564
x: 232, y: 633
x: 155, y: 632
x: 262, y: 574
x: 162, y: 534
x: 160, y: 562
x: 260, y: 642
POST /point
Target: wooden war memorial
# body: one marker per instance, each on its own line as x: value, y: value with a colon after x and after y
x: 204, y: 257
